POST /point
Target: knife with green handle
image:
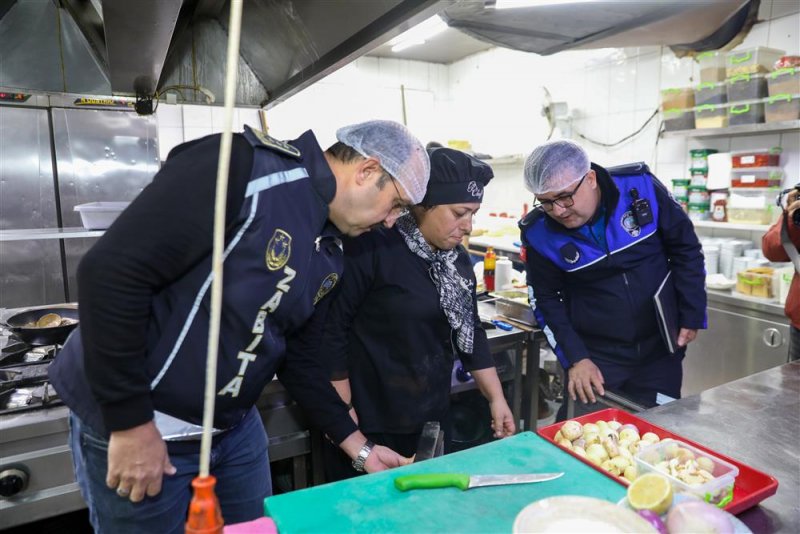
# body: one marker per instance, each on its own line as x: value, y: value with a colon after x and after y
x: 465, y: 482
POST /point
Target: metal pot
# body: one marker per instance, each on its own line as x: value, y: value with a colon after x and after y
x: 42, y: 336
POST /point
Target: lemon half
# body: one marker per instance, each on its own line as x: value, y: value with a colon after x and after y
x: 650, y: 492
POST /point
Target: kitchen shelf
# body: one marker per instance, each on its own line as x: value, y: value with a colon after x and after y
x: 731, y: 226
x: 743, y: 129
x: 48, y: 233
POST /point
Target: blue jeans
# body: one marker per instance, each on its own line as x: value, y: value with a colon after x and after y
x: 238, y: 461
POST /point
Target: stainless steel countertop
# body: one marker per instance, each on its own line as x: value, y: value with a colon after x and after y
x: 757, y: 421
x: 755, y: 304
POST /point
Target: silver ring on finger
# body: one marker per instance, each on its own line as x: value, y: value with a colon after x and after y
x: 122, y: 492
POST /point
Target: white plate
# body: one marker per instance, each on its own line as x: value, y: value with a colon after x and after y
x: 738, y: 526
x: 726, y: 285
x: 578, y: 514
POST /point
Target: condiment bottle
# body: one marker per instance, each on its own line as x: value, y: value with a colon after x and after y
x: 489, y: 263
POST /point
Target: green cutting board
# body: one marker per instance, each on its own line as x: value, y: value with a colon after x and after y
x: 372, y: 504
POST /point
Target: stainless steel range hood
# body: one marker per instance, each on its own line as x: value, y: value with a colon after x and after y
x: 125, y: 48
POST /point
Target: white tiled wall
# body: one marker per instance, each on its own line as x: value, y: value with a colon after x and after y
x: 493, y: 99
x: 180, y: 123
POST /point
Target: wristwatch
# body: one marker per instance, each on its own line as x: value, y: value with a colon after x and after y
x: 361, y: 459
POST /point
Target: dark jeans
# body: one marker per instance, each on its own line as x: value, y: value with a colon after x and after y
x: 794, y: 344
x: 238, y: 461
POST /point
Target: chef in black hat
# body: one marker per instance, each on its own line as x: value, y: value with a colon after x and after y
x: 405, y: 311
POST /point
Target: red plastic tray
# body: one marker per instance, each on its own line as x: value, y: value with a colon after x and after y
x: 751, y: 486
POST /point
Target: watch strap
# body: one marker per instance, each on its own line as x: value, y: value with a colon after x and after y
x: 360, y: 461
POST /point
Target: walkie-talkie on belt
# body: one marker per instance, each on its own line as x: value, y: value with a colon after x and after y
x: 641, y: 209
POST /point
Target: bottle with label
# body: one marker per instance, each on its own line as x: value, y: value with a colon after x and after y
x: 489, y: 264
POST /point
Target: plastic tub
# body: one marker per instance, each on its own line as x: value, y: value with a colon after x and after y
x: 756, y: 282
x: 718, y: 490
x: 712, y: 66
x: 698, y: 195
x: 699, y: 157
x: 751, y: 112
x: 752, y: 60
x: 699, y: 177
x: 785, y: 80
x: 711, y: 116
x: 787, y: 61
x: 711, y: 93
x: 697, y: 212
x: 746, y: 87
x: 680, y: 187
x: 757, y: 177
x: 677, y: 98
x: 756, y: 158
x: 752, y: 205
x: 782, y: 108
x: 100, y: 215
x: 678, y: 119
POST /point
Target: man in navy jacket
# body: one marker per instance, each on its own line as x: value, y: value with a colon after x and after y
x: 615, y: 275
x: 133, y: 374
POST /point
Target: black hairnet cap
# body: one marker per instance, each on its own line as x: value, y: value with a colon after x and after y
x: 456, y: 177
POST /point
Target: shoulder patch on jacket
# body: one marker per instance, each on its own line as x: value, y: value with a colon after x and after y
x: 276, y: 144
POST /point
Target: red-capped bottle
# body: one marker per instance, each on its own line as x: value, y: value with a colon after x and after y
x: 489, y: 264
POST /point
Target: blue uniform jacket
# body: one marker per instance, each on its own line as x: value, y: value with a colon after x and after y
x: 594, y: 296
x: 281, y: 257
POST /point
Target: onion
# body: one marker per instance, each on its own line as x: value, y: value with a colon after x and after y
x: 698, y: 516
x: 654, y: 519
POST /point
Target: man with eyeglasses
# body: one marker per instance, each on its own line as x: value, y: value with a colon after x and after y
x: 615, y: 276
x: 133, y: 374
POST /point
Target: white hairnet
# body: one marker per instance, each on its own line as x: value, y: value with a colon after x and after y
x: 554, y: 166
x: 400, y: 153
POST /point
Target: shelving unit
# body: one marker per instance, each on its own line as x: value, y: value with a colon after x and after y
x: 48, y: 233
x: 733, y: 131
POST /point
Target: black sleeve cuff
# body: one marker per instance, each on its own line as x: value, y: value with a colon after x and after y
x: 127, y: 414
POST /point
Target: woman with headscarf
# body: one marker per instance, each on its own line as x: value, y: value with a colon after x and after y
x: 405, y: 311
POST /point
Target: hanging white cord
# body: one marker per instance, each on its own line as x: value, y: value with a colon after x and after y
x: 231, y: 69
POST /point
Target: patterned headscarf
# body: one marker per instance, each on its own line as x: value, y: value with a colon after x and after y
x: 455, y: 291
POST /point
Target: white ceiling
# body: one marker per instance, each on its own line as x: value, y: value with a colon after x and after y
x: 446, y: 47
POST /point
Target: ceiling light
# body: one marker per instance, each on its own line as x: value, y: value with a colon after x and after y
x: 418, y: 34
x: 512, y: 4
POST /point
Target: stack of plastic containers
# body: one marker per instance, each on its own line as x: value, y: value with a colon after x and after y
x: 783, y: 88
x: 698, y: 198
x: 677, y: 105
x: 680, y: 191
x: 755, y: 183
x: 711, y: 95
x: 748, y: 73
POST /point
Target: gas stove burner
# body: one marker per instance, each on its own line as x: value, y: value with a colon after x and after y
x: 24, y: 354
x: 28, y: 398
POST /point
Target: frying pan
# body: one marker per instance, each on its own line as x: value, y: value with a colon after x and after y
x: 42, y: 336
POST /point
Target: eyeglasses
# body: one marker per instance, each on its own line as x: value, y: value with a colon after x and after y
x: 400, y: 206
x: 563, y: 201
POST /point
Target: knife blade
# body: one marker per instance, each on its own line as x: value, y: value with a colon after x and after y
x: 464, y: 481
